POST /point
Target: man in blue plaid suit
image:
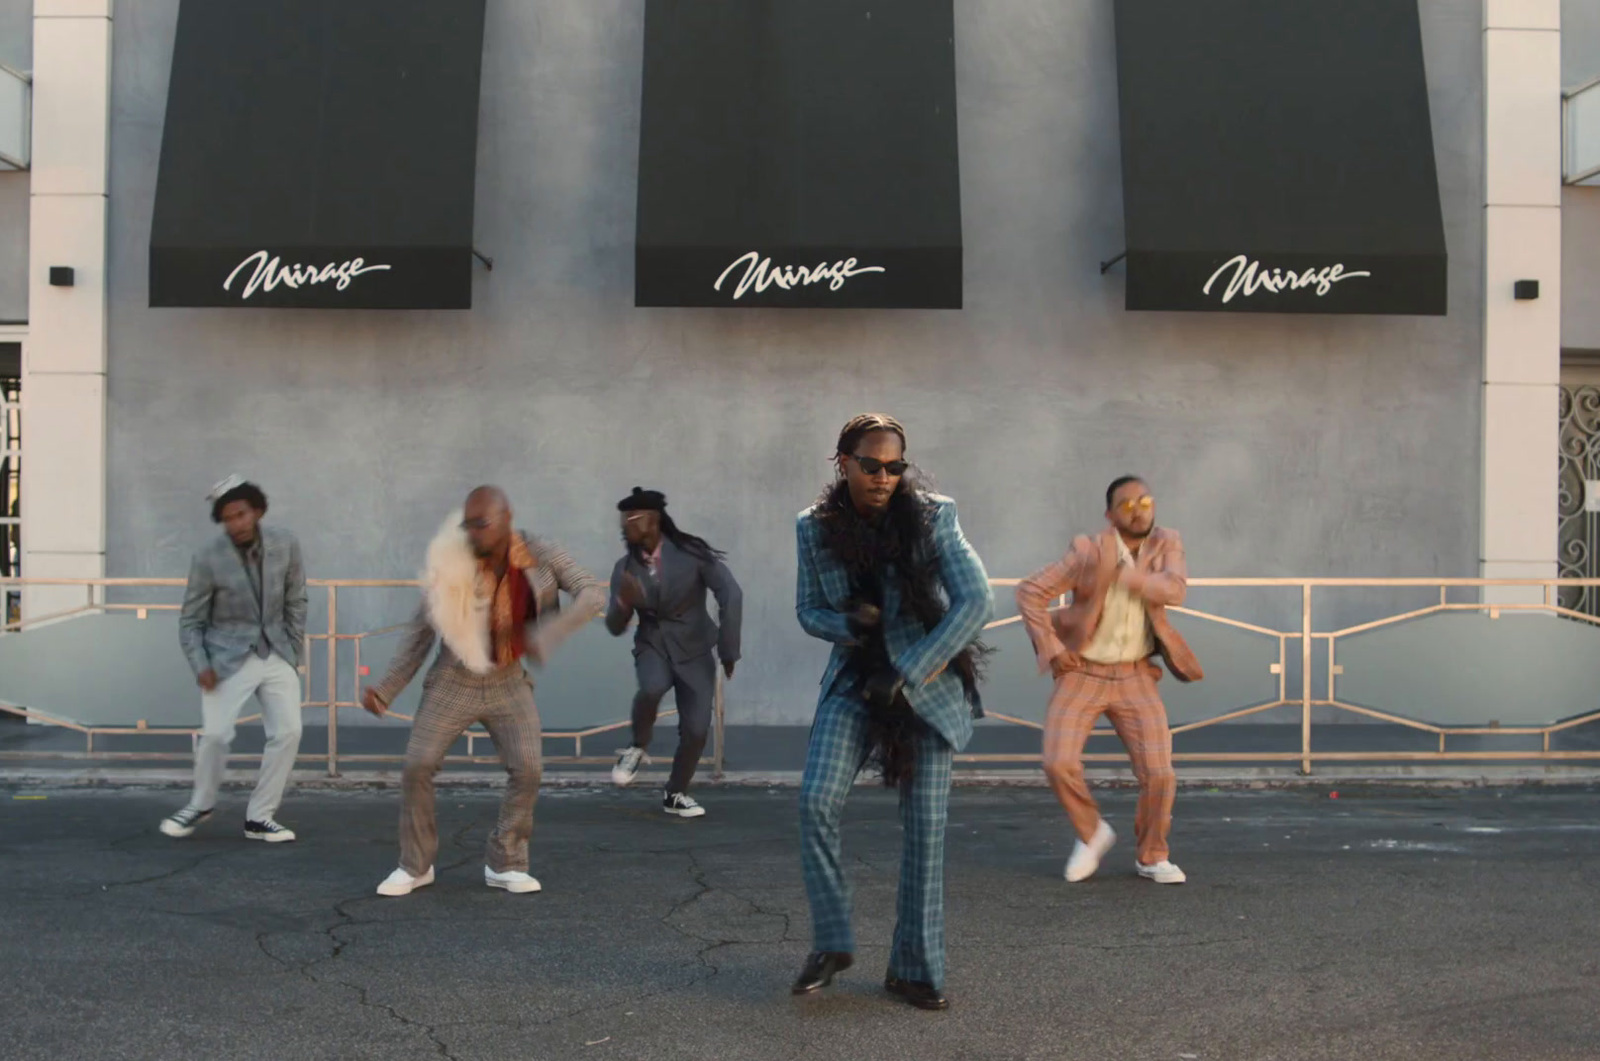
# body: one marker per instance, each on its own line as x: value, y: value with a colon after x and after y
x: 887, y: 577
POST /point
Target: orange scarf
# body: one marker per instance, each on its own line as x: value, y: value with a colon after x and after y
x: 513, y: 602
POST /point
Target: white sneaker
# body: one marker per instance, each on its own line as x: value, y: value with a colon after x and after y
x: 1086, y: 857
x: 402, y: 883
x: 628, y: 763
x: 1162, y: 872
x: 514, y: 881
x: 682, y: 805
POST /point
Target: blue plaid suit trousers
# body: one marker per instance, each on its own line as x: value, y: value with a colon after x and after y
x: 839, y: 747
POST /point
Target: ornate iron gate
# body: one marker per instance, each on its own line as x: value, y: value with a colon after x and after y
x: 1579, y: 528
x: 10, y: 493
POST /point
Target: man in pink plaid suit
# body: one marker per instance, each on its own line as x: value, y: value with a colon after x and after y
x: 1100, y: 648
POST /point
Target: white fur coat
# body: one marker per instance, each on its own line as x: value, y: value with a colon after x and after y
x: 450, y: 586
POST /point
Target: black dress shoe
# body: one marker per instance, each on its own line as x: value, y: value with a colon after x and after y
x: 919, y: 994
x: 820, y: 969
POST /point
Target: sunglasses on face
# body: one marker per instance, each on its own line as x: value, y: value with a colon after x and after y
x: 872, y: 465
x: 475, y: 524
x: 1137, y: 504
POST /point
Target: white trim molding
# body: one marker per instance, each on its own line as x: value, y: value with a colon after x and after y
x: 1521, y: 337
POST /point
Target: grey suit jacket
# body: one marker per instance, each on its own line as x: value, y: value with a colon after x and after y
x: 674, y: 620
x: 221, y: 620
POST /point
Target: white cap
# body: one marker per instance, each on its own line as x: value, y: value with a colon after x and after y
x: 232, y: 482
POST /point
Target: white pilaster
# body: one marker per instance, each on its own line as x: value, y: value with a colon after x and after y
x: 1521, y: 339
x: 64, y: 365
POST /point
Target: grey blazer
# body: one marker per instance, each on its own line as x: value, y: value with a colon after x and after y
x: 674, y: 620
x: 221, y: 619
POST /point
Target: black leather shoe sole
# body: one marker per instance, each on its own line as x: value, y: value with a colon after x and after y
x: 819, y: 972
x: 922, y: 996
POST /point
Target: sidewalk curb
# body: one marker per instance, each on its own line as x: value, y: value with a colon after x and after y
x: 1247, y: 779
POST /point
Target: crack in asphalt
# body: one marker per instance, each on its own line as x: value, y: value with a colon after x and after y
x: 167, y: 875
x: 708, y: 945
x: 339, y: 944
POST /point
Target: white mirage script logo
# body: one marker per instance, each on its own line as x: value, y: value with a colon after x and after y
x: 1249, y: 277
x: 269, y: 274
x: 759, y: 274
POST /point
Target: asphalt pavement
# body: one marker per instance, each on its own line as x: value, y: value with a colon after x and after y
x: 1386, y: 923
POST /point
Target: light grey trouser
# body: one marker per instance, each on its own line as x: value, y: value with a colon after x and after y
x: 276, y: 684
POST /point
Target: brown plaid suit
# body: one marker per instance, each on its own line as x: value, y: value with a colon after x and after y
x: 1125, y: 692
x: 454, y: 698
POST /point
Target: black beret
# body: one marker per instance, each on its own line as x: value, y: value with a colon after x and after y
x: 643, y: 501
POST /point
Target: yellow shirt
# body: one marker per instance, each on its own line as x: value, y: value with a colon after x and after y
x: 1123, y: 635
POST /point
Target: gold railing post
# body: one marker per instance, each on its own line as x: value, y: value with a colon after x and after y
x: 1305, y: 678
x: 717, y: 735
x: 333, y: 681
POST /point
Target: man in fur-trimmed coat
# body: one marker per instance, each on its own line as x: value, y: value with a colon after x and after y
x: 491, y: 595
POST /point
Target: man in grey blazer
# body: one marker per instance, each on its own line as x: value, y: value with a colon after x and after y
x: 663, y: 580
x: 242, y: 628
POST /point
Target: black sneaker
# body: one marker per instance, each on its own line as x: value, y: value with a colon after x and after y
x: 269, y: 830
x: 183, y: 823
x: 682, y: 805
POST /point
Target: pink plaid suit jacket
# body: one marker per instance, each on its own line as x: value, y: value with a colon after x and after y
x: 1054, y: 630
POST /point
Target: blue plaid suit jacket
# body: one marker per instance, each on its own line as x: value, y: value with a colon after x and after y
x: 919, y: 654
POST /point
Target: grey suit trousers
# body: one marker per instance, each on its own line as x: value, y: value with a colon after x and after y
x: 276, y: 684
x: 694, y: 684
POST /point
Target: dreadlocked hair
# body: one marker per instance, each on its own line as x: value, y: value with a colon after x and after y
x: 904, y: 538
x: 692, y: 544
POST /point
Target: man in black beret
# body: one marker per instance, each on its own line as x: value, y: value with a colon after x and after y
x: 663, y: 579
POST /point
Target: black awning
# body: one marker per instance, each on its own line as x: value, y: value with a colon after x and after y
x: 319, y: 153
x: 799, y: 153
x: 1277, y: 156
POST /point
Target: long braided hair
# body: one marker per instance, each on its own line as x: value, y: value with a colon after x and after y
x: 904, y: 539
x: 692, y: 544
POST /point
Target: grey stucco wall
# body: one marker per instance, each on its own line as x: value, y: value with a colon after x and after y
x: 16, y: 51
x: 1278, y: 445
x: 1580, y: 41
x: 1580, y: 206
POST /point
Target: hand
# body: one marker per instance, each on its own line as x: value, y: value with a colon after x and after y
x: 864, y: 617
x: 882, y: 687
x: 1132, y: 579
x: 1065, y: 662
x: 630, y: 592
x: 727, y: 667
x: 373, y: 704
x: 207, y: 679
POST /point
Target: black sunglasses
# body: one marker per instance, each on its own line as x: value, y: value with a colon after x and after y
x: 872, y: 465
x: 475, y: 524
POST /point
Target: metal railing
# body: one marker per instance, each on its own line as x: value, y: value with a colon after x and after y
x: 329, y: 642
x: 1306, y: 641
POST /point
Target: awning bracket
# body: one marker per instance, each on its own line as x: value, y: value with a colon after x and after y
x: 1105, y: 267
x: 488, y: 262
